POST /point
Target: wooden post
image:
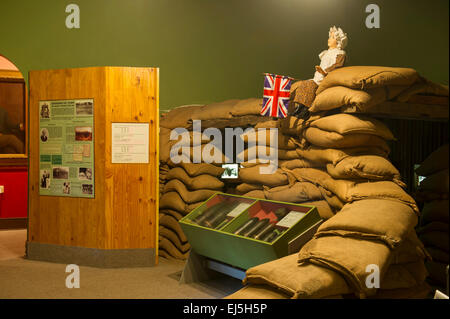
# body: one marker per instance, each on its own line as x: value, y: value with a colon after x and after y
x: 119, y: 227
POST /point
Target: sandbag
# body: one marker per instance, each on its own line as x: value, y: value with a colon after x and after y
x: 421, y: 291
x: 404, y: 276
x: 245, y: 188
x: 252, y: 175
x: 370, y: 167
x: 349, y: 257
x: 365, y: 77
x: 343, y: 124
x: 172, y: 213
x: 253, y: 291
x: 409, y: 251
x: 436, y: 161
x: 437, y: 182
x: 195, y: 169
x: 252, y: 154
x: 170, y: 248
x: 267, y: 138
x: 326, y: 139
x: 294, y: 126
x: 171, y: 223
x: 437, y: 210
x: 179, y: 116
x: 165, y: 254
x: 297, y: 281
x: 188, y: 197
x: 173, y: 237
x: 333, y: 201
x: 250, y: 106
x: 323, y: 208
x: 299, y: 163
x: 208, y: 153
x: 267, y: 124
x: 338, y: 96
x: 204, y: 181
x: 435, y: 238
x: 372, y: 219
x: 255, y: 194
x: 172, y: 200
x: 333, y: 156
x: 297, y: 193
x: 189, y: 208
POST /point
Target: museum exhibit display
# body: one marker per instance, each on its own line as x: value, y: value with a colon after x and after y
x: 94, y: 160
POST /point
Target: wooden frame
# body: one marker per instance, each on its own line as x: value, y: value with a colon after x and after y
x: 8, y: 76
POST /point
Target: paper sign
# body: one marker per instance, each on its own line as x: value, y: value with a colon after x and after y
x: 238, y: 209
x: 129, y: 142
x: 290, y: 219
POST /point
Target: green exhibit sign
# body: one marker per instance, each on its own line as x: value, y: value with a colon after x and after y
x: 66, y: 148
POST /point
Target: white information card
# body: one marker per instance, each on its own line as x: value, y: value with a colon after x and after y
x: 129, y: 142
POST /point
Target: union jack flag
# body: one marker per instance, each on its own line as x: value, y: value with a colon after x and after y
x: 276, y: 95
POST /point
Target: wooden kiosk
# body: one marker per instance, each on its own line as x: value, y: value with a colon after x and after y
x: 114, y: 221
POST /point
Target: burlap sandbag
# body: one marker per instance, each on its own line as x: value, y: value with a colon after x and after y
x: 204, y: 181
x: 352, y: 124
x: 404, y: 275
x: 373, y: 219
x: 438, y: 255
x: 252, y: 291
x: 168, y: 246
x: 267, y: 124
x: 437, y: 182
x: 172, y: 200
x: 252, y: 175
x: 435, y: 238
x: 297, y: 193
x: 253, y: 154
x: 165, y: 254
x: 172, y: 224
x: 208, y: 153
x: 333, y: 156
x: 255, y: 194
x: 370, y: 167
x: 323, y: 208
x: 173, y: 237
x: 326, y: 139
x: 189, y: 208
x: 297, y: 281
x: 410, y: 250
x: 245, y: 188
x: 267, y: 138
x: 188, y: 197
x: 337, y: 96
x: 349, y: 257
x: 250, y: 106
x: 299, y: 163
x: 172, y: 213
x: 186, y: 139
x: 218, y: 110
x: 294, y: 126
x: 195, y: 169
x: 365, y: 77
x: 333, y: 201
x: 179, y: 117
x: 423, y: 87
x: 435, y: 211
x: 436, y: 161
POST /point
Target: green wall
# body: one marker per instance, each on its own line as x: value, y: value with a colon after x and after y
x: 213, y: 50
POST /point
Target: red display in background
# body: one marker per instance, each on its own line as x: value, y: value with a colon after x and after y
x: 14, y: 199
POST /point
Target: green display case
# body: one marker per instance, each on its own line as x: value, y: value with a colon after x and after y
x: 221, y: 244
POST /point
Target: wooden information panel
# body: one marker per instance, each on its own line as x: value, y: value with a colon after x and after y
x: 123, y: 215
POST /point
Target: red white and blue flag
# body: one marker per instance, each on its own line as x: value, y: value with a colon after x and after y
x: 276, y: 95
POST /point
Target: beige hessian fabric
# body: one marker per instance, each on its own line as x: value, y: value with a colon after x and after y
x: 363, y: 100
x: 436, y: 161
x: 268, y: 138
x: 297, y: 193
x: 252, y: 175
x: 404, y: 276
x: 351, y: 124
x: 349, y: 257
x: 370, y: 167
x: 299, y: 163
x: 327, y: 139
x: 333, y: 156
x: 189, y: 197
x: 255, y: 194
x: 364, y: 77
x: 171, y: 223
x: 204, y: 181
x: 245, y: 188
x: 196, y: 169
x: 323, y: 208
x: 250, y: 106
x: 297, y: 281
x: 375, y: 219
x: 172, y: 200
x: 258, y: 292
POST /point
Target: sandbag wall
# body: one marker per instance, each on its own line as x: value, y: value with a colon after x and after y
x: 433, y: 228
x: 184, y: 186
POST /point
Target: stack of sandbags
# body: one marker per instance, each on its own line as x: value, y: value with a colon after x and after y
x: 433, y: 229
x: 186, y: 187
